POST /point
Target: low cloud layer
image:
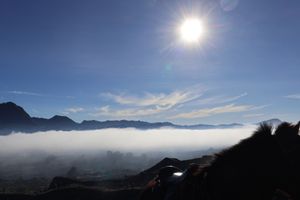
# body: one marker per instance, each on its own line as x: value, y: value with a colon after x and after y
x: 124, y: 140
x: 107, y: 151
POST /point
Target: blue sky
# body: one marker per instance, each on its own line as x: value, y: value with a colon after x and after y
x: 109, y: 59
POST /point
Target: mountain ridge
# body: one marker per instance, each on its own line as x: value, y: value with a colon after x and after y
x: 13, y: 118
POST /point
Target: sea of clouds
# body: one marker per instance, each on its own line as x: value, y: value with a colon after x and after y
x: 124, y: 140
x: 53, y: 153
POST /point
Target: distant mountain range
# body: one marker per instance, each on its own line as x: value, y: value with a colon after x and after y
x: 14, y: 118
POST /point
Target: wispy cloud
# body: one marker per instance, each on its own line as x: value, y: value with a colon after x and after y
x: 25, y: 93
x: 19, y: 92
x: 206, y: 112
x: 293, y: 96
x: 147, y: 104
x: 260, y: 107
x: 254, y: 115
x: 130, y: 112
x: 170, y: 103
x: 152, y: 99
x: 74, y: 110
x: 219, y: 99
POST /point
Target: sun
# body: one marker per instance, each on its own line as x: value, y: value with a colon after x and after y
x: 191, y: 30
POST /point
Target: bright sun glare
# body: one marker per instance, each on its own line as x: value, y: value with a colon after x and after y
x: 191, y: 30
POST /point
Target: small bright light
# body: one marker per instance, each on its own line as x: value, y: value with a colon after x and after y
x: 191, y: 30
x: 177, y: 173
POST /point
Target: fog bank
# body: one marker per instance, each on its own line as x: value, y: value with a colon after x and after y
x: 108, y: 152
x: 124, y: 140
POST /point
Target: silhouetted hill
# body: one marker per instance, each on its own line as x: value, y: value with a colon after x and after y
x: 145, y: 176
x: 10, y: 113
x: 61, y: 120
x: 55, y: 123
x: 181, y: 164
x: 14, y: 116
x: 62, y: 123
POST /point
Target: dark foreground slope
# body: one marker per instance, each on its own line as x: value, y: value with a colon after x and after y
x: 77, y: 193
x: 129, y: 188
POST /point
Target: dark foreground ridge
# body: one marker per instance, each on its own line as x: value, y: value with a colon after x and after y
x: 14, y: 118
x: 128, y: 188
x: 264, y: 166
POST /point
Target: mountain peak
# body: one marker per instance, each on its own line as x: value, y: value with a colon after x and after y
x: 62, y: 119
x: 9, y: 103
x: 12, y: 114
